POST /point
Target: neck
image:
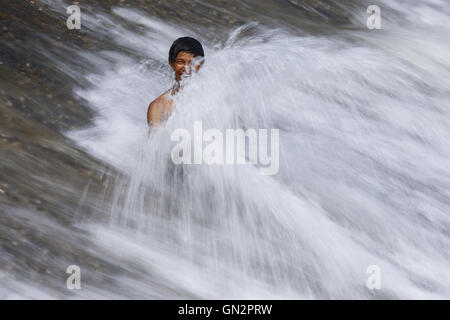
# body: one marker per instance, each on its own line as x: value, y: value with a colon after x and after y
x: 175, y: 88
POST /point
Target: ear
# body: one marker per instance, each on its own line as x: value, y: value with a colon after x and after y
x: 171, y: 65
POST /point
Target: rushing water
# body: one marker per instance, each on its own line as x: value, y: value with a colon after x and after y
x: 364, y: 173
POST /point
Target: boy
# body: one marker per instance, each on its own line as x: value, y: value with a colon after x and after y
x: 181, y: 57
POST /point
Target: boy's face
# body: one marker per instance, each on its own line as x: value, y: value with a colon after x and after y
x: 185, y: 63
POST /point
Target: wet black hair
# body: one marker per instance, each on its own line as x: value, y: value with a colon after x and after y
x: 187, y: 44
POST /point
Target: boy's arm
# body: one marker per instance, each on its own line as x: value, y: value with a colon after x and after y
x: 158, y: 109
x: 154, y: 113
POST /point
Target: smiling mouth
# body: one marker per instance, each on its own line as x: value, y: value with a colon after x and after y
x: 187, y: 74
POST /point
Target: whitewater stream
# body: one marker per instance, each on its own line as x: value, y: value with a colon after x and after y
x: 364, y: 170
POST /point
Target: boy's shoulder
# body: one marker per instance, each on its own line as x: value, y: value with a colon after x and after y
x: 159, y: 108
x: 163, y: 99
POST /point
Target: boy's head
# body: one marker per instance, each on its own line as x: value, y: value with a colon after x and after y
x: 182, y: 54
